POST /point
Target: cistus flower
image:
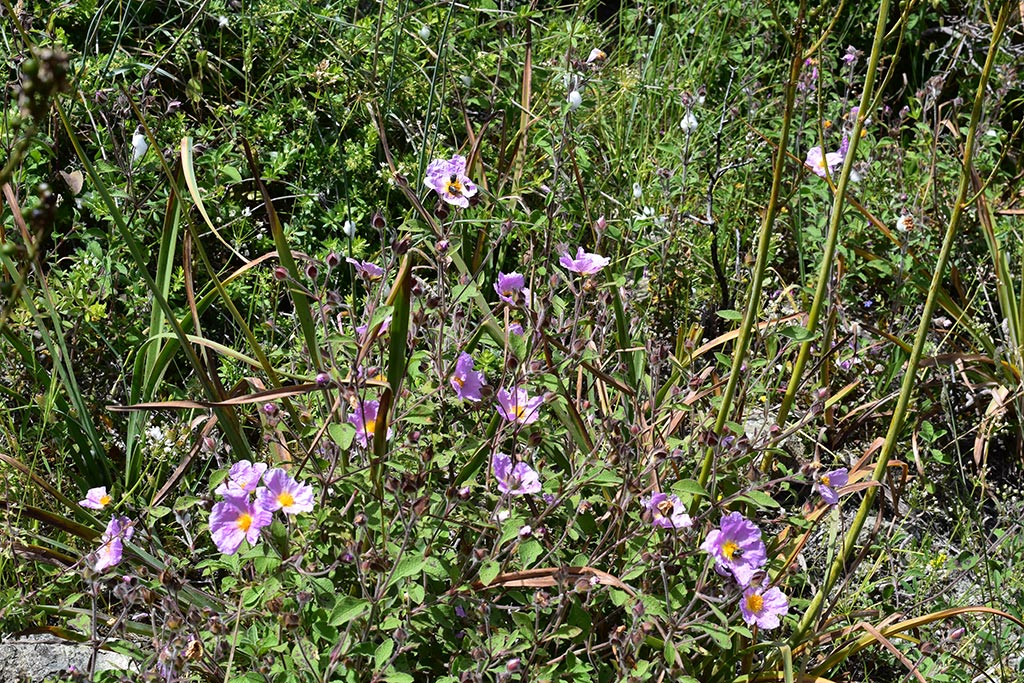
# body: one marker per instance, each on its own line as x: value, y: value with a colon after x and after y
x: 109, y: 554
x: 465, y: 380
x: 515, y: 480
x: 236, y: 519
x: 585, y: 263
x: 96, y: 499
x: 763, y: 607
x: 510, y: 286
x: 370, y: 271
x: 737, y: 547
x: 667, y: 511
x: 596, y: 55
x: 364, y: 418
x: 518, y: 406
x: 448, y: 178
x: 823, y: 164
x: 243, y: 478
x: 282, y: 492
x: 827, y: 484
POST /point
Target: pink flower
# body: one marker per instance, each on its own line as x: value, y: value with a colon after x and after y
x: 514, y: 480
x: 465, y: 380
x: 667, y: 511
x: 96, y: 499
x: 365, y: 269
x: 385, y: 324
x: 243, y: 478
x: 235, y: 520
x: 827, y: 484
x: 511, y: 287
x: 519, y: 407
x: 109, y: 554
x: 763, y: 607
x: 585, y: 263
x: 823, y: 165
x: 283, y: 493
x: 448, y: 178
x: 364, y: 418
x: 737, y: 547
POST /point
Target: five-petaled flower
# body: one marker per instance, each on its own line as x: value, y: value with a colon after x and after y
x: 119, y: 529
x: 364, y: 418
x: 585, y: 263
x: 465, y: 380
x: 823, y: 164
x: 236, y: 519
x: 243, y: 478
x: 96, y: 498
x: 763, y: 607
x: 510, y: 286
x: 282, y: 492
x: 667, y: 511
x: 366, y: 269
x: 737, y: 547
x: 518, y: 407
x: 448, y: 178
x: 515, y: 479
x: 828, y: 482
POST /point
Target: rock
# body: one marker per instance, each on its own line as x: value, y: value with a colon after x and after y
x: 35, y: 657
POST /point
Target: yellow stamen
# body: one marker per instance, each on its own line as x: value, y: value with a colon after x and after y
x: 244, y: 521
x: 454, y: 188
x: 369, y: 426
x: 285, y: 499
x: 458, y: 380
x: 105, y: 500
x: 755, y: 603
x: 519, y: 411
x: 825, y: 480
x: 729, y: 549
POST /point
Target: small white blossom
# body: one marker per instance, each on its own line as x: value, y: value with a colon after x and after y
x: 350, y: 229
x: 689, y: 123
x: 424, y: 32
x: 638, y: 191
x: 575, y: 99
x: 222, y: 21
x: 139, y: 144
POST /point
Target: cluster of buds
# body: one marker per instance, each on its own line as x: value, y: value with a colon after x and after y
x: 43, y: 75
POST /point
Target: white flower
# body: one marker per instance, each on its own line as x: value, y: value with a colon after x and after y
x: 222, y: 21
x: 596, y: 55
x: 139, y: 144
x: 350, y: 229
x: 424, y: 32
x: 904, y: 223
x: 638, y: 191
x: 689, y: 123
x: 466, y: 79
x: 575, y: 99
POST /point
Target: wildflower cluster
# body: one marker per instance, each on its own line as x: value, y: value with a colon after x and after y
x: 239, y: 517
x: 119, y: 529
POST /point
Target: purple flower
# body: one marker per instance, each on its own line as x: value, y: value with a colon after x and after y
x: 519, y: 407
x: 465, y: 380
x: 234, y: 520
x: 823, y: 165
x: 364, y: 418
x: 96, y: 499
x: 370, y: 271
x: 851, y: 55
x: 109, y: 554
x: 763, y: 607
x: 243, y: 478
x: 510, y: 286
x: 827, y: 484
x: 737, y: 547
x: 514, y: 480
x: 448, y: 178
x: 667, y: 511
x: 585, y: 263
x: 283, y: 493
x: 516, y: 329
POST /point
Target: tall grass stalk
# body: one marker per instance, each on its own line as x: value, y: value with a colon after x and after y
x: 910, y: 376
x: 836, y: 216
x: 763, y: 247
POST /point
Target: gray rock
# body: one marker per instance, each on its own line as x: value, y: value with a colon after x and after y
x: 33, y: 658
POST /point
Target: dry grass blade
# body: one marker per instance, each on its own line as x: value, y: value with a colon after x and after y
x: 547, y: 577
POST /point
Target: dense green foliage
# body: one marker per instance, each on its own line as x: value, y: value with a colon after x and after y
x: 811, y: 229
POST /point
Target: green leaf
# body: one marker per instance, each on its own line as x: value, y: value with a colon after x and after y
x: 342, y: 435
x: 798, y: 333
x: 347, y: 609
x: 381, y: 314
x: 383, y: 652
x: 730, y: 315
x: 691, y: 486
x: 488, y: 570
x: 529, y: 551
x: 398, y: 677
x: 410, y: 565
x: 760, y: 499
